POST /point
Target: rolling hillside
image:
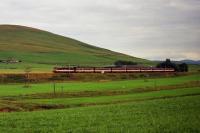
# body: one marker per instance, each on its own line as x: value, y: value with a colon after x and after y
x: 44, y: 49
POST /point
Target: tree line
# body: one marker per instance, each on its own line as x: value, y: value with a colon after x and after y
x: 183, y: 67
x: 120, y: 63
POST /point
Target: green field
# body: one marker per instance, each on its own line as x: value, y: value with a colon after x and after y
x: 179, y: 114
x: 18, y: 89
x: 143, y: 105
x: 117, y: 98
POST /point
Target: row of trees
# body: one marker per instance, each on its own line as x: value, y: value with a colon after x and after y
x: 124, y: 63
x: 178, y: 67
x: 183, y: 67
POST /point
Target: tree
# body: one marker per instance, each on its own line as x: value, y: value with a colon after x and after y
x: 177, y: 67
x: 27, y: 71
x: 183, y: 67
x: 168, y: 64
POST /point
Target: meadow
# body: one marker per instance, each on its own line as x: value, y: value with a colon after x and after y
x: 179, y: 114
x: 19, y: 89
x: 143, y: 105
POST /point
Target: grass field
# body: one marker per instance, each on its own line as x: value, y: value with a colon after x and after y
x: 18, y: 89
x: 179, y: 114
x: 143, y: 105
x: 117, y: 98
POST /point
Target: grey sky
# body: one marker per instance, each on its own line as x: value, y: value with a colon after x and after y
x: 152, y: 29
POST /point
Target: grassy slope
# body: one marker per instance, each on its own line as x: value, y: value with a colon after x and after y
x: 194, y: 68
x: 34, y: 46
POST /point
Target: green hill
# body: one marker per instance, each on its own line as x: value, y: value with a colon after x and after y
x: 41, y: 49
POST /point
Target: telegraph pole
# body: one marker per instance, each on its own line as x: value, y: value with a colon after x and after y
x: 62, y: 89
x: 54, y: 88
x: 155, y: 84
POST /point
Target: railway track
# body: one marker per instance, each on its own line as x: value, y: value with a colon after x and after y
x: 110, y: 69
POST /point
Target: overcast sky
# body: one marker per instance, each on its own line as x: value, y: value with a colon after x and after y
x: 152, y: 29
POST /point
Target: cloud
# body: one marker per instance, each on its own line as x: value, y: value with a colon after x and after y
x: 149, y: 29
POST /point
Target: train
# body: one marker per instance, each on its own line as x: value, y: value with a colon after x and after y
x: 110, y: 69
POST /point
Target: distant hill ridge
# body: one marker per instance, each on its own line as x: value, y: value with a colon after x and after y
x: 193, y: 62
x: 37, y: 46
